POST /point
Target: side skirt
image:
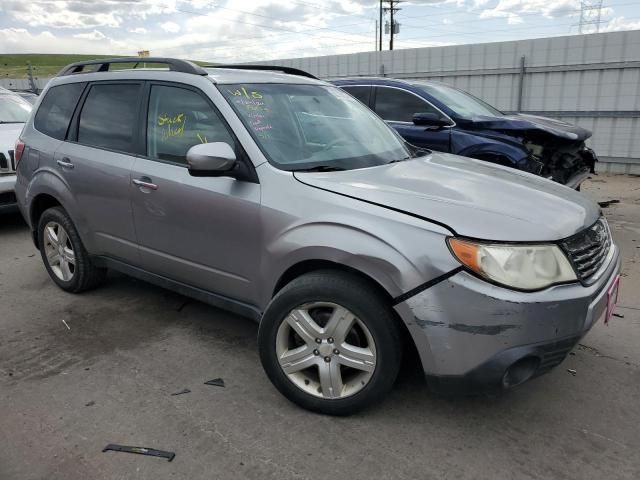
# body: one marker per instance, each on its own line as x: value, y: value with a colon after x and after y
x: 205, y: 296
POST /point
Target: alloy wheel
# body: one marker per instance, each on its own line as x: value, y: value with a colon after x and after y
x: 59, y: 251
x: 325, y: 350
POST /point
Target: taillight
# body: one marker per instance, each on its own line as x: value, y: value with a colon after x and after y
x: 19, y: 150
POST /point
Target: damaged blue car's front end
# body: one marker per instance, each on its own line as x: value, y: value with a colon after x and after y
x: 450, y: 120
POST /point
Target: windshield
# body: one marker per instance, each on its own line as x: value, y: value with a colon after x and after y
x: 462, y: 103
x: 304, y: 127
x: 13, y: 109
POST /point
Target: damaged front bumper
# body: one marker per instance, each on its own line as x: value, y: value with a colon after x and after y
x: 470, y: 334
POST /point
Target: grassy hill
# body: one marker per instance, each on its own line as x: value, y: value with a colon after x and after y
x: 15, y: 65
x: 44, y: 65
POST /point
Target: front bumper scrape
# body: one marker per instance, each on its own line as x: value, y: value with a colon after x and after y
x: 469, y: 332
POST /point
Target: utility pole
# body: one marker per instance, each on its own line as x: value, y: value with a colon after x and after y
x: 380, y: 26
x: 32, y: 82
x: 393, y: 27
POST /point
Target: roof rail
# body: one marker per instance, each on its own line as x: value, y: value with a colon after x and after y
x: 272, y: 68
x: 175, y: 65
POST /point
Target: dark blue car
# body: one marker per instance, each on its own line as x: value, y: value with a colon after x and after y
x: 435, y: 116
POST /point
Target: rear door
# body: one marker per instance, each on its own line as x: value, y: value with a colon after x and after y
x: 397, y: 106
x: 202, y: 231
x: 96, y: 163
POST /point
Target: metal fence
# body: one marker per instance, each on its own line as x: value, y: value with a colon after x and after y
x: 590, y: 80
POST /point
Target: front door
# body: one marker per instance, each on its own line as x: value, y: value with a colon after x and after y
x: 397, y: 107
x: 201, y: 231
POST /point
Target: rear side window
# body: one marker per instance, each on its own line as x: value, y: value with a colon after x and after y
x: 362, y: 93
x: 108, y: 117
x: 397, y: 105
x: 56, y: 109
x: 178, y: 119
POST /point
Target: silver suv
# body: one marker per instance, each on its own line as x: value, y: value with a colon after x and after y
x: 274, y: 195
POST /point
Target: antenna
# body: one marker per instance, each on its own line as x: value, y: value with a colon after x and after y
x: 590, y: 14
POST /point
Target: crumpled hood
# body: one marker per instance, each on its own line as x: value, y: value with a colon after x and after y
x: 529, y: 123
x: 473, y: 198
x: 9, y: 133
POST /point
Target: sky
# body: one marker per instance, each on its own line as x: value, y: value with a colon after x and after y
x: 246, y: 30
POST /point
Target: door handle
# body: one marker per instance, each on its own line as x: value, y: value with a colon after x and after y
x: 145, y: 184
x: 65, y: 163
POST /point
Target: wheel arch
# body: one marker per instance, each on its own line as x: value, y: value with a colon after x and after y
x: 39, y: 204
x: 313, y: 265
x: 48, y: 189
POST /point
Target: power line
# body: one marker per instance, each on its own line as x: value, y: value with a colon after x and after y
x: 270, y: 27
x: 589, y: 10
x: 345, y: 42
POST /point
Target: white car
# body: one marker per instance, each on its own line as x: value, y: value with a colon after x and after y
x: 14, y: 111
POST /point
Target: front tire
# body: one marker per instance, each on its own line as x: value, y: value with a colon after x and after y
x: 330, y: 343
x: 64, y: 255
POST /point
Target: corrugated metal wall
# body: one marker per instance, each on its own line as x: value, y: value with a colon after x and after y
x: 591, y: 80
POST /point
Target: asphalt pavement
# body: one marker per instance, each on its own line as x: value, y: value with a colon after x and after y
x: 80, y: 371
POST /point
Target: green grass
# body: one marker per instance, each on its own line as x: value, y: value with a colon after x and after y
x: 44, y: 65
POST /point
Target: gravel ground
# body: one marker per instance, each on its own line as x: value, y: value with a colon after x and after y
x: 67, y: 392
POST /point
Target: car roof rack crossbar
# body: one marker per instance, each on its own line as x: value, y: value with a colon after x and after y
x: 103, y: 64
x: 268, y: 68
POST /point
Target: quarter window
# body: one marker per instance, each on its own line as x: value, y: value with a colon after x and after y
x: 393, y: 104
x: 108, y: 117
x: 56, y: 109
x: 177, y: 120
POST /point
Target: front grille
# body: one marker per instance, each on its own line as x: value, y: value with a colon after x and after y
x: 588, y: 249
x: 554, y: 353
x: 7, y: 163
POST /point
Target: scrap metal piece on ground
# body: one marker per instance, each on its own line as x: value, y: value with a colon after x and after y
x: 181, y: 392
x: 152, y: 452
x: 571, y: 371
x: 216, y: 382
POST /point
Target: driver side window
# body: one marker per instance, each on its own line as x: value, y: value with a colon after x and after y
x: 177, y: 120
x: 395, y: 105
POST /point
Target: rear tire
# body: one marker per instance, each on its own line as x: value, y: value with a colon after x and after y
x: 64, y: 255
x: 330, y: 343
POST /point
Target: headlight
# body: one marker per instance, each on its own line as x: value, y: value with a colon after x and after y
x: 523, y: 267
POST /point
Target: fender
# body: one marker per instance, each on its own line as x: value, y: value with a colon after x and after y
x: 47, y: 181
x: 342, y: 244
x: 469, y: 145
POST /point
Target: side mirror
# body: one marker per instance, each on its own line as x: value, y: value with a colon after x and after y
x: 211, y: 159
x: 430, y: 119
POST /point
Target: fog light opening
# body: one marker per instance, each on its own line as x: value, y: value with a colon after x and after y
x: 520, y: 372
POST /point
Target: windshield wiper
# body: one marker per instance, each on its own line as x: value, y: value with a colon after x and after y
x: 320, y: 168
x: 401, y: 159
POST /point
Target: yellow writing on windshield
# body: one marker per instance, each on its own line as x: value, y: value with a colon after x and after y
x: 243, y: 92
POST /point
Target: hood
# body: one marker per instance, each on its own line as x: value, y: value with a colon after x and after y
x: 9, y: 133
x: 473, y: 198
x: 529, y: 123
